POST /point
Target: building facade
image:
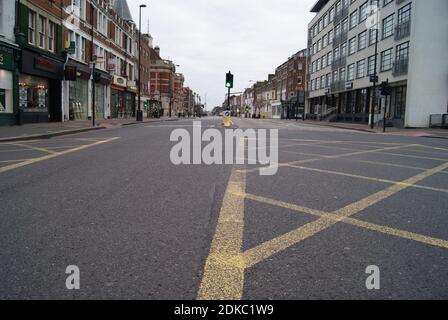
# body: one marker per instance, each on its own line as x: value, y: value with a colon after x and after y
x: 9, y: 55
x: 342, y: 61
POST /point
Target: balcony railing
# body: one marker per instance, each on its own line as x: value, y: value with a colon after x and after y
x: 400, y: 67
x: 403, y: 30
x: 341, y: 14
x: 339, y: 63
x: 340, y: 38
x: 337, y: 86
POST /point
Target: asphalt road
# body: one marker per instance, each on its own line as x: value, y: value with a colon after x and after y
x: 139, y: 227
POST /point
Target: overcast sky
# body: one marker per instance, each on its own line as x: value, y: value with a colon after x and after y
x: 207, y: 38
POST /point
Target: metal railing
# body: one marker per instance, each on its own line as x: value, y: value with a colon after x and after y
x: 337, y: 86
x: 341, y: 15
x: 402, y: 30
x: 400, y: 67
x: 340, y: 38
x: 339, y: 63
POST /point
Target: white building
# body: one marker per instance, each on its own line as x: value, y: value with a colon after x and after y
x: 412, y: 50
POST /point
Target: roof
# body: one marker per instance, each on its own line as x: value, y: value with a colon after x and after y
x: 319, y: 5
x: 122, y: 9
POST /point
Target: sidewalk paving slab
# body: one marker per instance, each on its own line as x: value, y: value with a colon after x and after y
x: 409, y: 132
x: 54, y: 129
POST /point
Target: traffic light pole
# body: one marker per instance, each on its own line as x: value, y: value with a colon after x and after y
x: 375, y: 74
x: 228, y: 99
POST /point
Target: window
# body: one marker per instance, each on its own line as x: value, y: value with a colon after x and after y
x: 362, y: 40
x: 363, y: 12
x: 351, y: 72
x: 330, y: 37
x: 328, y: 80
x: 335, y: 76
x: 352, y: 46
x: 372, y: 36
x: 1, y: 16
x: 324, y: 61
x: 344, y: 49
x: 42, y: 31
x: 342, y: 74
x: 81, y: 4
x: 360, y: 68
x: 51, y: 36
x: 353, y: 19
x: 330, y: 58
x: 344, y: 25
x: 403, y: 51
x: 102, y: 23
x: 371, y: 65
x: 386, y: 2
x: 388, y: 26
x: 404, y: 14
x: 331, y: 14
x: 31, y: 27
x: 386, y: 60
x: 336, y: 54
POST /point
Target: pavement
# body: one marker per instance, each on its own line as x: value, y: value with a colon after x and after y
x: 112, y: 203
x: 410, y: 132
x: 53, y: 129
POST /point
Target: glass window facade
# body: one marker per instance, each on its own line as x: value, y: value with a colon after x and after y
x: 33, y: 94
x: 6, y: 91
x: 78, y: 100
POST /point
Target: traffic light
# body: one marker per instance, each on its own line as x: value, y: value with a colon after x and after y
x: 386, y: 89
x: 229, y: 80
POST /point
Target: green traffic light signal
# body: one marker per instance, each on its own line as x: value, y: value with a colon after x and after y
x: 229, y: 80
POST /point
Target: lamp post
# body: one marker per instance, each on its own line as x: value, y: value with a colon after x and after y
x: 140, y: 112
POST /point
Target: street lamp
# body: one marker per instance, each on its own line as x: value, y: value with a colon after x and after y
x: 140, y: 112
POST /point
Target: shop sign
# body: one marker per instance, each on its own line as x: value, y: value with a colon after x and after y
x: 119, y: 81
x: 6, y: 58
x: 45, y: 65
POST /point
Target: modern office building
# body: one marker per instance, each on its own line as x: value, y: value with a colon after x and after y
x: 412, y: 46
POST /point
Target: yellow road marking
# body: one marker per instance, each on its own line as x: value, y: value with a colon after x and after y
x: 33, y: 148
x: 351, y: 141
x: 350, y: 175
x: 223, y: 277
x: 8, y: 161
x: 276, y: 245
x: 322, y: 157
x: 262, y: 252
x: 412, y: 156
x: 387, y: 153
x: 51, y: 156
x: 386, y: 164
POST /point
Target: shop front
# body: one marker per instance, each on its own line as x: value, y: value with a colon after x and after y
x: 102, y: 84
x: 8, y: 87
x: 131, y: 100
x: 40, y: 88
x: 118, y: 98
x: 78, y: 91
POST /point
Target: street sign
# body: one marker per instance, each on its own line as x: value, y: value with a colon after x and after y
x: 226, y: 119
x: 374, y: 79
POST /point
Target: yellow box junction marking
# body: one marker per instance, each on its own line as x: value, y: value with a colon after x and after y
x: 52, y: 155
x: 269, y: 248
x: 223, y: 277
